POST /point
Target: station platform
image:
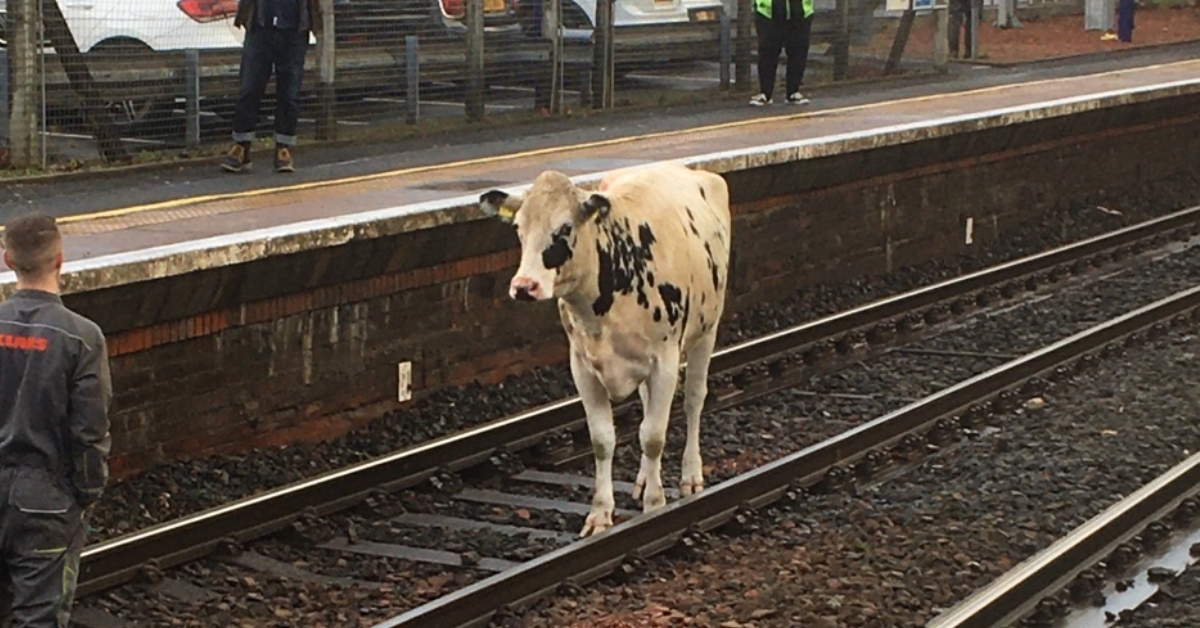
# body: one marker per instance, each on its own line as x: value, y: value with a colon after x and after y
x: 171, y: 237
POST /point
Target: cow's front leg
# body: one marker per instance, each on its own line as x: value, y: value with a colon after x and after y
x: 695, y: 390
x: 604, y: 440
x: 661, y: 390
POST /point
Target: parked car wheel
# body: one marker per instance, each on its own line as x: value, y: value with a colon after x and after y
x: 143, y: 104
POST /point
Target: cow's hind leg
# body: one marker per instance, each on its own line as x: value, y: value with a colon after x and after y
x: 643, y: 472
x: 695, y: 390
x: 604, y: 440
x: 661, y: 391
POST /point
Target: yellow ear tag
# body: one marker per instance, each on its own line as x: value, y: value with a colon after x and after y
x: 506, y: 213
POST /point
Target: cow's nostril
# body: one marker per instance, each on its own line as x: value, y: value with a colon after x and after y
x: 523, y: 294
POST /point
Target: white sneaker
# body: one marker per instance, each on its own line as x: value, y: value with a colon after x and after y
x: 760, y: 100
x: 797, y: 99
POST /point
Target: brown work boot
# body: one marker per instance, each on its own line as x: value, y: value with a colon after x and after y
x: 283, y: 159
x: 238, y: 158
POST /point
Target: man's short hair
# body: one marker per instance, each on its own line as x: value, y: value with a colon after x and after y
x: 32, y: 242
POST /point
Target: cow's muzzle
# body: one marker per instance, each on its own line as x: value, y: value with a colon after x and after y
x: 525, y: 289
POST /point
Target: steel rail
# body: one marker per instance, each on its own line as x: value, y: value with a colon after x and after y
x: 1018, y: 591
x: 119, y: 560
x: 653, y: 532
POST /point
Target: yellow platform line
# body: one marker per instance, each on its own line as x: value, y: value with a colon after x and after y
x: 313, y: 185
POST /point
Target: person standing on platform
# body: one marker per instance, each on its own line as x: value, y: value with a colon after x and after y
x: 54, y: 431
x: 960, y: 21
x: 1125, y: 9
x: 782, y: 25
x: 276, y: 39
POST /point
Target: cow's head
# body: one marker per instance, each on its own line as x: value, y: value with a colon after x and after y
x: 548, y: 219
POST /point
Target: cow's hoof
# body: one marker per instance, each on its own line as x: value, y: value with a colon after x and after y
x: 597, y: 522
x: 691, y: 486
x: 654, y: 502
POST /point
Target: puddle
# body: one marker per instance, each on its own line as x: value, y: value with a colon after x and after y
x: 1176, y: 557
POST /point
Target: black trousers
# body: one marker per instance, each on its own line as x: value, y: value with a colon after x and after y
x: 42, y: 532
x: 960, y: 17
x: 775, y: 36
x: 266, y: 50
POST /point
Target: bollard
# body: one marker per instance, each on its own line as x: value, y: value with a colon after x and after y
x: 726, y: 49
x: 4, y: 97
x: 412, y: 71
x: 192, y: 103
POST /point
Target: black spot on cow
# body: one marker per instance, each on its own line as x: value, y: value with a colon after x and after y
x: 657, y: 314
x: 605, y: 282
x: 624, y: 263
x: 687, y: 307
x: 650, y: 279
x: 559, y: 251
x: 691, y: 221
x: 673, y: 300
x: 712, y: 267
x: 702, y: 194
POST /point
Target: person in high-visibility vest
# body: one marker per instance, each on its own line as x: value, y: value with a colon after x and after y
x: 782, y: 25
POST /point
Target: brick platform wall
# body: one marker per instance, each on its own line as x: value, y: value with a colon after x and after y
x: 307, y: 346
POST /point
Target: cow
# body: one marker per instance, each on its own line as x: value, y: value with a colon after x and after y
x: 639, y: 268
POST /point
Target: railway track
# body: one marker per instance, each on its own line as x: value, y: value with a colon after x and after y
x: 1157, y: 523
x: 552, y: 439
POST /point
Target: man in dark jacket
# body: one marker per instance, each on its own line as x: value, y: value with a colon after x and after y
x: 54, y: 438
x: 276, y: 39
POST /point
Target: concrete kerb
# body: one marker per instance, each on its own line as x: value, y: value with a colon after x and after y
x: 239, y: 248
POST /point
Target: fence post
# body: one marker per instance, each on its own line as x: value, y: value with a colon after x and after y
x: 192, y: 103
x: 726, y: 49
x: 745, y: 20
x: 941, y: 34
x: 327, y: 73
x: 475, y: 63
x: 3, y: 105
x: 841, y: 50
x: 412, y: 72
x: 23, y: 21
x: 901, y: 41
x: 602, y: 56
x: 552, y: 30
x: 973, y: 42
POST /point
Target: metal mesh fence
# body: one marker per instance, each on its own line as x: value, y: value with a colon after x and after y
x: 121, y: 78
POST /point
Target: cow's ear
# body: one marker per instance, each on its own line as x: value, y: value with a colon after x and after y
x: 499, y: 204
x: 595, y: 206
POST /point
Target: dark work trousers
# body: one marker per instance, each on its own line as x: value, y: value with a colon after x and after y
x: 774, y: 36
x: 266, y: 49
x: 42, y: 532
x: 960, y: 17
x: 1125, y: 9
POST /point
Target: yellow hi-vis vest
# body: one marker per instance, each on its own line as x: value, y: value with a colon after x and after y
x: 764, y: 7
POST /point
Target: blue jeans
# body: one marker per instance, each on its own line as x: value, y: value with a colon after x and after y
x: 264, y: 50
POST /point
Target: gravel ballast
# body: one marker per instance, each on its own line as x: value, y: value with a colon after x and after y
x: 898, y: 552
x: 178, y: 489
